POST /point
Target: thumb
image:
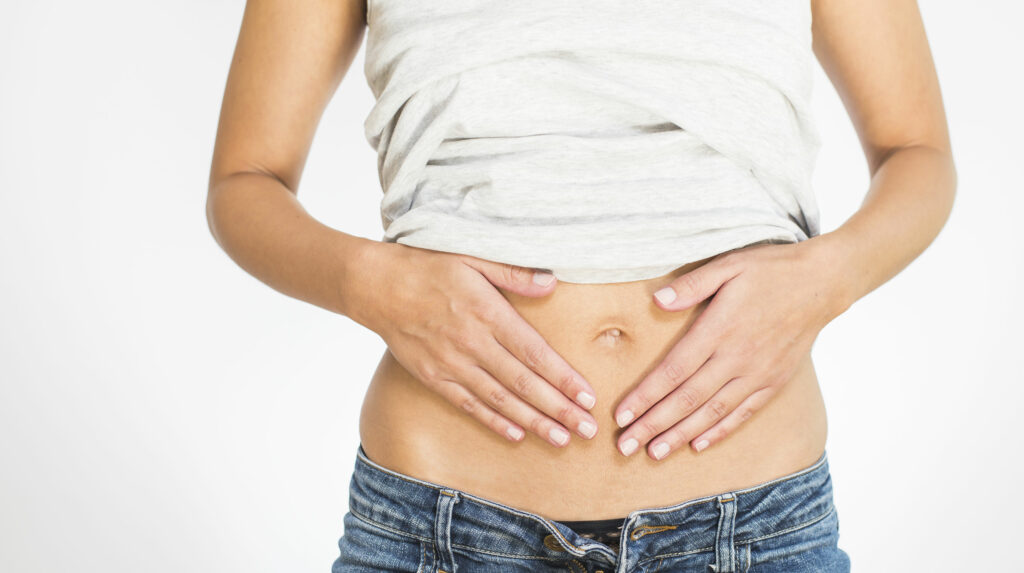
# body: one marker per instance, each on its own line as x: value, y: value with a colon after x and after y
x: 690, y: 288
x: 520, y: 280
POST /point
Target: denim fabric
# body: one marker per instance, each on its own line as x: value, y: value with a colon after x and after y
x: 400, y: 523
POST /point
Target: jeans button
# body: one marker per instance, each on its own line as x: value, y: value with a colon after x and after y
x: 552, y: 543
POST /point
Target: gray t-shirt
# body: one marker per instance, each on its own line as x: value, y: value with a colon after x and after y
x: 606, y: 141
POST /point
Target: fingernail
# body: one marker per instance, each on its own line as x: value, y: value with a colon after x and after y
x: 587, y: 400
x: 543, y: 279
x: 666, y: 295
x: 700, y: 445
x: 514, y: 433
x: 623, y: 418
x: 629, y: 446
x: 660, y: 450
x: 587, y: 429
x: 559, y: 435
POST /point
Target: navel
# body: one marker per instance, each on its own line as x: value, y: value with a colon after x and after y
x: 611, y: 336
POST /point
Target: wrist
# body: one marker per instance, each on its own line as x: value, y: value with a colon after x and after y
x: 361, y: 263
x: 832, y: 257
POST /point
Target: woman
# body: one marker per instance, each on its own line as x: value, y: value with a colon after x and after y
x: 650, y: 403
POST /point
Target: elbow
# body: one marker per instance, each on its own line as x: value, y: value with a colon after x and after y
x: 954, y: 178
x: 945, y: 183
x: 211, y: 214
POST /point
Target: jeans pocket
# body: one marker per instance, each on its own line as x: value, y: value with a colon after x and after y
x: 367, y: 547
x: 809, y: 548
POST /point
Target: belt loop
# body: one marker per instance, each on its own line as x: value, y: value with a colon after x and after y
x: 446, y: 500
x: 725, y: 550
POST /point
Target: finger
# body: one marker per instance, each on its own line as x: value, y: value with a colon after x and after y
x: 696, y: 347
x: 713, y: 410
x: 506, y: 402
x: 690, y: 288
x: 514, y: 278
x: 525, y: 383
x: 675, y: 406
x: 529, y: 348
x: 739, y: 415
x: 462, y: 398
x: 681, y: 362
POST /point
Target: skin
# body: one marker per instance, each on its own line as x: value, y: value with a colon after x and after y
x: 442, y: 314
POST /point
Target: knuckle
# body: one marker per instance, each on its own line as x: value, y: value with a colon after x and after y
x: 687, y: 398
x: 464, y: 342
x: 521, y: 384
x: 508, y: 272
x: 674, y: 373
x: 498, y: 397
x: 690, y: 282
x: 445, y: 365
x: 675, y: 436
x: 518, y: 273
x: 564, y: 381
x: 468, y: 404
x: 719, y: 433
x: 565, y: 413
x: 429, y: 372
x: 533, y: 354
x: 745, y: 414
x: 717, y: 408
x: 641, y: 399
x: 647, y: 428
x: 486, y: 312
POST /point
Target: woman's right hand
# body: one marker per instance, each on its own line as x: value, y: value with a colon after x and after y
x: 446, y: 323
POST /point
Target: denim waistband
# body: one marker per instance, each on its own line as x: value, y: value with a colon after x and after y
x: 453, y: 518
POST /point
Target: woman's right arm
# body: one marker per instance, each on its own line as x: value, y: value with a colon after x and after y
x: 439, y: 313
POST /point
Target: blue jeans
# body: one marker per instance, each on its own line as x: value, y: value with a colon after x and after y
x: 400, y: 523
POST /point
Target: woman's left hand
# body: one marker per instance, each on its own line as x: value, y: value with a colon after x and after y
x: 770, y: 302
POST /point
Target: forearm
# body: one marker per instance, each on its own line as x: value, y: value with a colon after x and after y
x: 262, y: 226
x: 907, y: 204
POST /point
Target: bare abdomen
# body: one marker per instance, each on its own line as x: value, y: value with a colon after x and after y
x: 613, y: 334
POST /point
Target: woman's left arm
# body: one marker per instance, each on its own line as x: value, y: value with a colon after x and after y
x: 771, y: 301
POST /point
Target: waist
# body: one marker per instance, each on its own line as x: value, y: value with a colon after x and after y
x: 613, y: 334
x: 409, y: 506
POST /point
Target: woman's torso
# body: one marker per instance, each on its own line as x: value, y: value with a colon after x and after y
x: 406, y: 427
x: 605, y: 141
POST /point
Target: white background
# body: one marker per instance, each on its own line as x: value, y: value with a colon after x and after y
x: 163, y: 411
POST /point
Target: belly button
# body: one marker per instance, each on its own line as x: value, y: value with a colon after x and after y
x: 611, y: 335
